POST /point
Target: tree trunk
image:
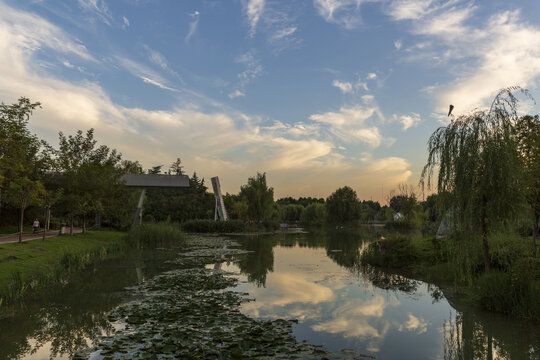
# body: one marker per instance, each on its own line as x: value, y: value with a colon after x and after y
x: 71, y: 227
x: 534, y: 216
x: 21, y: 220
x: 84, y: 224
x: 0, y: 202
x: 45, y: 224
x: 485, y: 235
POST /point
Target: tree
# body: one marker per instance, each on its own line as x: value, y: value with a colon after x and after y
x: 176, y: 167
x: 17, y: 146
x: 259, y: 197
x: 528, y: 137
x: 314, y: 213
x: 88, y: 174
x: 21, y: 160
x: 477, y: 159
x: 343, y: 205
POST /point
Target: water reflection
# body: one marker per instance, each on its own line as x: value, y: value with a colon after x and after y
x: 318, y: 279
x: 68, y: 318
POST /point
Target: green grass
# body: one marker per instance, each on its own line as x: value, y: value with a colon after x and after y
x: 153, y: 234
x: 14, y: 229
x: 35, y: 263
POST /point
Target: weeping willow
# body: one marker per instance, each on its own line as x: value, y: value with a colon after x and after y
x: 476, y: 156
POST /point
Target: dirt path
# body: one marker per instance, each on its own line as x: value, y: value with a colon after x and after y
x: 28, y: 237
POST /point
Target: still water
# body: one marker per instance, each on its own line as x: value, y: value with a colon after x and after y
x: 314, y: 277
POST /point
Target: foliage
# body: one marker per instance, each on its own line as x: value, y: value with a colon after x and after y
x: 21, y: 160
x: 179, y: 205
x: 314, y: 214
x: 212, y: 226
x: 528, y: 137
x: 477, y: 159
x: 153, y: 234
x: 510, y: 293
x: 343, y: 205
x: 369, y: 210
x: 259, y: 198
x: 291, y: 212
x: 395, y: 252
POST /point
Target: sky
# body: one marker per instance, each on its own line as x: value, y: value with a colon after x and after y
x: 318, y: 94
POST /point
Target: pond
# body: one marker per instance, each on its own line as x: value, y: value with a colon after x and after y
x: 314, y: 277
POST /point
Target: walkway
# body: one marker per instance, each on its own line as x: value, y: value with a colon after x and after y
x: 27, y: 237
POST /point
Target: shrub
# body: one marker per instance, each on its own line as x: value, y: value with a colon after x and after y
x: 212, y: 226
x: 396, y: 252
x: 515, y: 292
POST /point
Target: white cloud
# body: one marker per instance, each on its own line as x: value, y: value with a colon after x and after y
x: 414, y: 324
x: 253, y: 9
x: 409, y: 9
x: 495, y: 52
x: 344, y: 86
x: 372, y: 76
x: 192, y: 26
x: 283, y: 33
x: 144, y: 73
x: 98, y: 8
x: 125, y: 22
x: 408, y: 121
x: 345, y: 13
x: 398, y: 44
x: 349, y: 125
x: 30, y: 32
x: 236, y: 93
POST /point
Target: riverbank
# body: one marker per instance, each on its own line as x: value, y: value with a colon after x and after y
x: 36, y: 263
x: 512, y: 287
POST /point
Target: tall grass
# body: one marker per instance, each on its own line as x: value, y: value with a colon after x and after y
x: 211, y: 226
x: 155, y: 234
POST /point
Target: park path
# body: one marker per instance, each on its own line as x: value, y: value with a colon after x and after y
x: 27, y: 237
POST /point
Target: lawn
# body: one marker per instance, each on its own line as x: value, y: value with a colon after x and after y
x: 38, y: 258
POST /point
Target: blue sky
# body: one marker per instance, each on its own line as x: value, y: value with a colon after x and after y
x: 318, y: 94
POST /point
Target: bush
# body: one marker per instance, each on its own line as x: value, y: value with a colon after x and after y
x: 212, y: 226
x: 155, y: 233
x: 515, y: 292
x: 394, y: 252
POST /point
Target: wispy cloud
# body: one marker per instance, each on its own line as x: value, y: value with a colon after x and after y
x: 146, y: 74
x: 253, y: 9
x: 235, y: 94
x: 125, y: 22
x: 346, y: 13
x: 98, y: 8
x: 192, y: 25
x: 493, y: 53
x: 32, y: 32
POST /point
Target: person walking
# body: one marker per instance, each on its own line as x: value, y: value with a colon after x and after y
x: 35, y: 226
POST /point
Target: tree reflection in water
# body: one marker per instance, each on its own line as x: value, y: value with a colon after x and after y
x: 469, y: 335
x: 259, y: 261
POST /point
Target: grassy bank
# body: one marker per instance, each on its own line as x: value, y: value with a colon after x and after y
x: 511, y: 287
x: 34, y: 264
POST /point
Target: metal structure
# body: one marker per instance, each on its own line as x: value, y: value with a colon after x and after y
x: 220, y: 211
x: 155, y: 181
